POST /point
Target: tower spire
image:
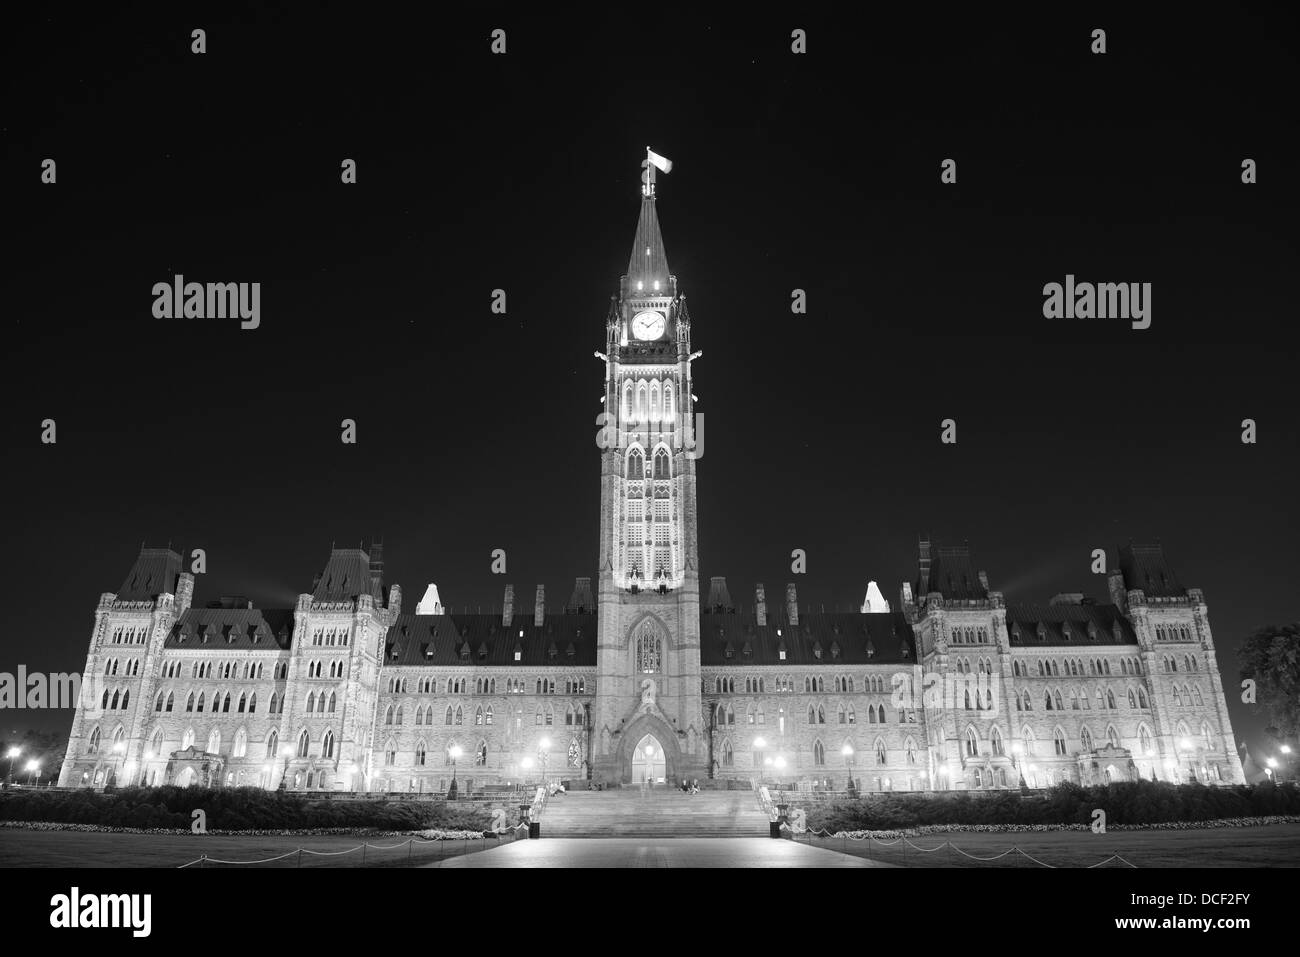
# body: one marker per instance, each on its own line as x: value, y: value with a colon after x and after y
x: 648, y: 263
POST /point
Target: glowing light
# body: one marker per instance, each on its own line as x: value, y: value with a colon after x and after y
x: 640, y: 285
x: 33, y: 766
x: 780, y: 762
x: 760, y: 743
x: 847, y: 749
x: 545, y: 743
x: 13, y: 753
x: 656, y: 285
x: 649, y: 750
x: 455, y: 751
x: 1272, y: 762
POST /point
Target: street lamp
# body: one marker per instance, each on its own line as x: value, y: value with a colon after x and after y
x: 33, y: 767
x: 453, y: 752
x: 12, y: 755
x: 286, y: 752
x: 847, y: 751
x: 1017, y: 749
x: 119, y: 748
x: 1185, y: 745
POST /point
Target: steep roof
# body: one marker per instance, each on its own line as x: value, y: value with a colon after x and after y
x: 246, y: 628
x: 953, y: 574
x: 1144, y: 567
x: 155, y: 572
x: 849, y: 638
x: 1072, y: 625
x: 346, y: 576
x: 648, y: 260
x: 481, y: 640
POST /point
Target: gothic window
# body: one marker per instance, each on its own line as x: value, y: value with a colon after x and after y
x: 575, y: 753
x: 93, y: 746
x: 448, y: 716
x: 972, y: 743
x: 728, y: 756
x: 1085, y: 739
x: 271, y: 740
x: 333, y: 702
x: 390, y: 752
x: 311, y: 706
x: 1112, y: 737
x: 187, y: 739
x: 880, y: 751
x: 1058, y: 741
x: 819, y: 754
x: 199, y: 706
x: 995, y: 739
x: 304, y: 742
x: 649, y: 650
x: 489, y: 714
x: 1142, y: 698
x: 1132, y: 699
x: 460, y: 715
x: 668, y: 401
x: 1110, y: 699
x: 421, y: 753
x: 1196, y: 692
x: 662, y: 464
x: 327, y: 747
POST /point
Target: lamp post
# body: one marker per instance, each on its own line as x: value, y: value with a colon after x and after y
x: 1016, y: 750
x: 12, y: 754
x: 527, y: 764
x: 286, y: 752
x: 759, y: 745
x: 119, y: 748
x: 267, y: 770
x: 1185, y: 746
x: 847, y: 751
x: 453, y: 752
x: 33, y: 768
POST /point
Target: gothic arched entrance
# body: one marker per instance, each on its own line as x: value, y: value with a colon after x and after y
x: 648, y: 760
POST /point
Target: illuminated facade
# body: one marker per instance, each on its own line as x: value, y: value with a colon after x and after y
x: 639, y: 677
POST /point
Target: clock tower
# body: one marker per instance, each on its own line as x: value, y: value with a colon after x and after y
x: 647, y: 720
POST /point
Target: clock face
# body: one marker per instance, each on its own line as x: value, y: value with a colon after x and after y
x: 648, y: 325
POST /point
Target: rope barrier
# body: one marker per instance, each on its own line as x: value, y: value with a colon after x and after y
x: 1014, y: 849
x: 409, y: 842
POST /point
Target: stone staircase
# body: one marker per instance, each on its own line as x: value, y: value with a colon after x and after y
x: 663, y: 812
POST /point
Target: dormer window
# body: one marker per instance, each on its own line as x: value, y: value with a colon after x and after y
x: 817, y: 650
x: 780, y: 650
x: 1065, y: 630
x: 871, y: 649
x: 482, y: 651
x: 835, y: 649
x: 552, y: 651
x: 519, y: 653
x: 570, y: 651
x: 728, y: 651
x: 1042, y: 632
x: 747, y: 650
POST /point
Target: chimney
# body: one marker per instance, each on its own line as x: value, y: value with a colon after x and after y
x: 719, y: 597
x: 792, y: 604
x: 508, y: 607
x: 760, y: 604
x: 377, y: 569
x: 1118, y: 593
x: 184, y: 593
x: 539, y: 610
x: 582, y: 602
x: 924, y: 547
x: 984, y: 579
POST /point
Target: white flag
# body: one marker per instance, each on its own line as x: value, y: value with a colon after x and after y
x: 662, y: 163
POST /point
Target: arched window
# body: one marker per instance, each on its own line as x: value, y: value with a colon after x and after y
x: 1144, y: 740
x: 187, y: 739
x: 995, y: 739
x: 819, y: 754
x: 1058, y: 741
x: 1056, y: 696
x: 241, y: 744
x: 1142, y: 698
x: 1112, y: 737
x: 489, y: 714
x: 1085, y: 739
x: 93, y: 746
x: 880, y: 751
x: 1178, y: 698
x: 311, y: 706
x: 663, y: 468
x: 972, y: 743
x: 1196, y: 693
x: 327, y: 746
x: 271, y: 740
x: 635, y: 464
x: 421, y: 753
x: 333, y: 702
x: 460, y: 715
x: 304, y: 742
x: 728, y: 756
x: 668, y: 401
x: 649, y: 650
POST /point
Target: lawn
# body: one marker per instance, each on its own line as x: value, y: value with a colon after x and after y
x: 1273, y: 845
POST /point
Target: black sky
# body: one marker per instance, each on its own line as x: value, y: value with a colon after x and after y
x: 520, y: 172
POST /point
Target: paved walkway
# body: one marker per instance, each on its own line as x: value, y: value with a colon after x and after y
x: 667, y: 852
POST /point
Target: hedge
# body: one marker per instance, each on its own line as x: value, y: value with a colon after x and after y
x: 1131, y: 803
x: 234, y: 809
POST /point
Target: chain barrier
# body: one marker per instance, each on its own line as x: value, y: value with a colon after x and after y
x: 1014, y: 849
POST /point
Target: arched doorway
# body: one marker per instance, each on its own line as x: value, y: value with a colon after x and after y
x: 185, y: 778
x: 648, y: 760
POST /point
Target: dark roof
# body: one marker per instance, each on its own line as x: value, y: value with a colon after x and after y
x: 1145, y: 569
x: 1088, y: 625
x: 953, y: 574
x: 849, y: 638
x: 346, y: 575
x: 478, y: 639
x: 155, y: 572
x: 654, y: 265
x: 249, y: 628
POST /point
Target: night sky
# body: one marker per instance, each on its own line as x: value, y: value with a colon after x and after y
x: 476, y: 172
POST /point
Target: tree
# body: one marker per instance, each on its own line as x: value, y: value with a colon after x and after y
x: 1271, y: 658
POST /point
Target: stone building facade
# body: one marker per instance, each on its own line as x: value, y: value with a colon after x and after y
x: 638, y: 678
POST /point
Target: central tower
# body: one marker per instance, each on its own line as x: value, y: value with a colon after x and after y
x: 648, y: 632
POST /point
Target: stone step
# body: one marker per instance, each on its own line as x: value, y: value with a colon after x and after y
x: 655, y: 814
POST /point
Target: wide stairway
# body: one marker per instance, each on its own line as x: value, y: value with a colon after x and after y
x: 663, y: 812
